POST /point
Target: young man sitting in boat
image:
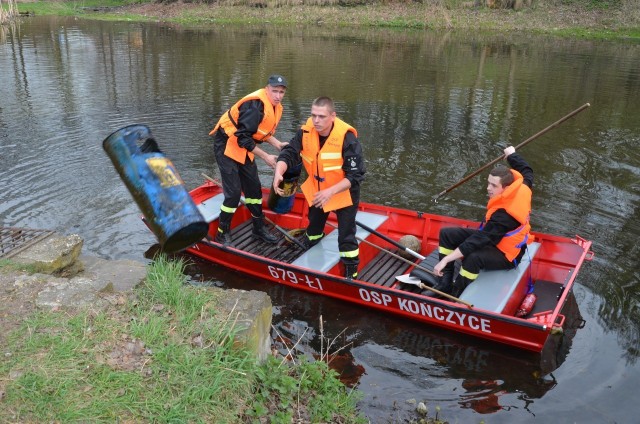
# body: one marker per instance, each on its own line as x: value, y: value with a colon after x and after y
x: 502, y: 238
x: 332, y: 156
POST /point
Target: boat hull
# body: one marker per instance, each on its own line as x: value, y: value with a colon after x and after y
x: 554, y: 267
x: 514, y: 332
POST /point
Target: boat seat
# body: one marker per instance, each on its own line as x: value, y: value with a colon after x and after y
x: 210, y: 208
x: 493, y: 289
x: 325, y: 255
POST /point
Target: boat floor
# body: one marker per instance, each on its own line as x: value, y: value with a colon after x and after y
x: 282, y: 251
x: 381, y: 270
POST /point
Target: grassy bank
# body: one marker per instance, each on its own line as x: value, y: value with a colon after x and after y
x: 598, y: 19
x: 160, y: 354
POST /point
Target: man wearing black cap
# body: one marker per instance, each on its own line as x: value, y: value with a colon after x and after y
x: 251, y: 121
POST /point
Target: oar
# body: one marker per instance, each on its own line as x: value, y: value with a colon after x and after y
x: 279, y: 228
x: 392, y: 241
x: 498, y: 159
x: 416, y: 283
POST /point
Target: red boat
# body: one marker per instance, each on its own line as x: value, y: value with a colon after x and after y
x: 486, y: 309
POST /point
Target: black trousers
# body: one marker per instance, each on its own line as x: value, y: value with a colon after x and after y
x: 488, y: 258
x: 347, y: 241
x: 237, y: 178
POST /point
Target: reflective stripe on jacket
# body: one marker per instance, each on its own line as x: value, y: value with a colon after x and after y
x: 516, y: 200
x: 228, y: 121
x: 324, y: 165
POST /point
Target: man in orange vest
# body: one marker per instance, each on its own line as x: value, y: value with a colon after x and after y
x: 502, y: 238
x: 236, y: 136
x: 332, y: 156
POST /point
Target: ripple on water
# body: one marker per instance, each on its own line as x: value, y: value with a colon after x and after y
x: 429, y: 109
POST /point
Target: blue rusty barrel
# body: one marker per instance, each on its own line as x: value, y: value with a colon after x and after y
x: 156, y: 187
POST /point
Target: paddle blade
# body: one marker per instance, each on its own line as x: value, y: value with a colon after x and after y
x: 408, y: 279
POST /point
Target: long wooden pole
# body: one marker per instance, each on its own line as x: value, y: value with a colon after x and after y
x: 392, y: 241
x: 519, y: 146
x: 424, y: 286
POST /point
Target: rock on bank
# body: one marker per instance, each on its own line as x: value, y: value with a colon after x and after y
x: 67, y: 280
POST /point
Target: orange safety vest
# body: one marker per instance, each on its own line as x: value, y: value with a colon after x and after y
x: 516, y: 200
x: 324, y: 166
x: 228, y: 121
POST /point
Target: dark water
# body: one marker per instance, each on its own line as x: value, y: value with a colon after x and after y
x: 430, y: 108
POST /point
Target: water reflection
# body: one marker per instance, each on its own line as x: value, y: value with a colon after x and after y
x: 429, y: 108
x: 417, y: 361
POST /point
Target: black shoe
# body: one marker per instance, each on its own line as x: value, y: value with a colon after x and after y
x: 261, y: 233
x: 457, y: 290
x: 426, y: 278
x: 459, y: 285
x: 224, y: 238
x: 305, y: 242
x: 444, y: 284
x: 223, y: 235
x: 265, y: 236
x: 308, y: 244
x: 351, y: 271
x: 442, y: 287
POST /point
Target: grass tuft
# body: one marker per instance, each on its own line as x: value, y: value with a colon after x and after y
x: 163, y: 356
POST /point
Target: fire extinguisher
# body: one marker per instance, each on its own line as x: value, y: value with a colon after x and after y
x: 527, y: 305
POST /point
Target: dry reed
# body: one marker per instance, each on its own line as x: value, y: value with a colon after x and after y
x: 8, y: 13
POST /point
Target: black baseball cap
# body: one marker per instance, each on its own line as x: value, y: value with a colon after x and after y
x: 276, y: 80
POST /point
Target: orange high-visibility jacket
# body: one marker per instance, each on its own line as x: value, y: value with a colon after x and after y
x: 324, y: 165
x: 228, y: 122
x: 516, y: 200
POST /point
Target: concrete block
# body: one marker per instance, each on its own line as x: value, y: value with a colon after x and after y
x: 77, y: 292
x: 113, y: 275
x: 251, y: 314
x: 52, y: 254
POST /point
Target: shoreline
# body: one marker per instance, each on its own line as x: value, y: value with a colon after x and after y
x: 91, y: 330
x: 578, y: 19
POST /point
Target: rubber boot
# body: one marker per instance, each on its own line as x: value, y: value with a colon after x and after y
x: 261, y: 233
x: 223, y: 236
x: 459, y: 285
x: 351, y: 271
x: 308, y: 244
x: 445, y: 283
